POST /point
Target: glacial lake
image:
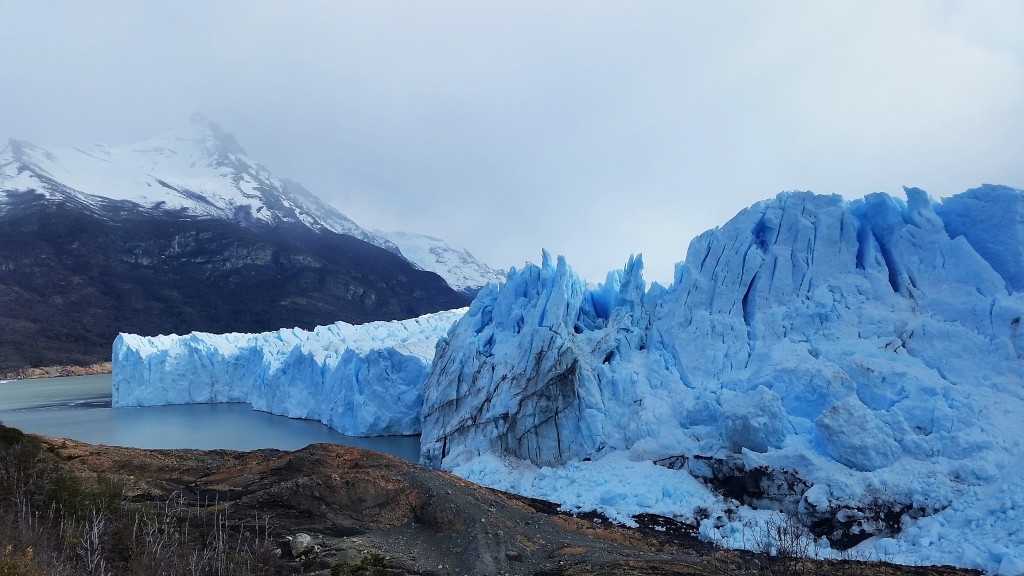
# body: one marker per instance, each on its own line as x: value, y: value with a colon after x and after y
x: 78, y: 407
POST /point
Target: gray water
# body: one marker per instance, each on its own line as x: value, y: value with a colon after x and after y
x: 78, y: 407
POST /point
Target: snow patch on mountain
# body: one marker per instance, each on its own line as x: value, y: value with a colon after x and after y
x: 460, y: 269
x: 856, y: 364
x: 362, y: 380
x: 195, y: 172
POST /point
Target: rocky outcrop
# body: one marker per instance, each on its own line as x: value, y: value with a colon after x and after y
x: 764, y: 488
x: 301, y: 545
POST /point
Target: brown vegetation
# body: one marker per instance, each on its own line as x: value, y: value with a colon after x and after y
x: 57, y: 522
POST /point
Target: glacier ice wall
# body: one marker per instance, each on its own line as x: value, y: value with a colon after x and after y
x: 871, y: 350
x: 362, y: 380
x: 527, y: 371
x: 991, y: 218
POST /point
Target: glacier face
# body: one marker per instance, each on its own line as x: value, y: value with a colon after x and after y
x: 868, y: 352
x: 362, y: 380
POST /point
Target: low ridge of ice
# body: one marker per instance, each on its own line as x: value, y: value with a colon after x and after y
x: 362, y: 380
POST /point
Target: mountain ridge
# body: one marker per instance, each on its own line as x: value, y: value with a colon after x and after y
x: 200, y: 171
x: 180, y: 232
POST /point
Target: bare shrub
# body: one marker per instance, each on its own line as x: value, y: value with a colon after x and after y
x: 53, y: 523
x: 785, y: 545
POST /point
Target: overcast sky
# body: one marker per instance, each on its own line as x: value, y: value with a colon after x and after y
x: 594, y: 129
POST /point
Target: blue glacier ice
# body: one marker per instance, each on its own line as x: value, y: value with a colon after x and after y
x: 362, y: 380
x: 867, y: 354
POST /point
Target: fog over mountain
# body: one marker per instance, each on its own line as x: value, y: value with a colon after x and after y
x: 592, y: 129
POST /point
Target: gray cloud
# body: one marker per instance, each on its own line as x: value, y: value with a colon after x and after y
x: 593, y: 129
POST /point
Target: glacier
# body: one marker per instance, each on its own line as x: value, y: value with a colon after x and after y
x: 855, y: 364
x: 362, y: 380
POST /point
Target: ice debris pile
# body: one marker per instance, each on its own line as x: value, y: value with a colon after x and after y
x: 856, y: 364
x: 363, y: 380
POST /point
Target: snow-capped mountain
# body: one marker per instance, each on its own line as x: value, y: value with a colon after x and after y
x: 463, y: 271
x: 178, y: 233
x: 858, y: 365
x: 196, y: 172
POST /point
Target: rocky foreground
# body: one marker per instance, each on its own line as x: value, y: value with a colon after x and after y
x: 369, y: 513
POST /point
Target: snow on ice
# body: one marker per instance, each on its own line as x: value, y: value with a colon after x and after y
x: 362, y: 380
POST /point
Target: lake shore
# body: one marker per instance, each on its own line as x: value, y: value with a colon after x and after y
x: 56, y: 371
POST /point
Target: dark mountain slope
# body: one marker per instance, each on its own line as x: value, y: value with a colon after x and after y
x: 73, y: 276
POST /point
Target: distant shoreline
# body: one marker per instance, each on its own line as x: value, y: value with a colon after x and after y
x: 56, y: 371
